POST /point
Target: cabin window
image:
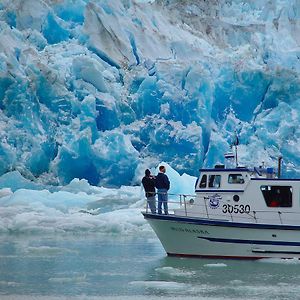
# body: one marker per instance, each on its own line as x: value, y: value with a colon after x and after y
x: 277, y: 196
x: 236, y: 178
x: 203, y: 181
x: 214, y: 181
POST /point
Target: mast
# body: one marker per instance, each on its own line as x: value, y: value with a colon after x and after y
x: 236, y: 157
x: 279, y: 166
x: 235, y: 143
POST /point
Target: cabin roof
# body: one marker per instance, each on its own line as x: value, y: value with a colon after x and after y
x: 222, y: 170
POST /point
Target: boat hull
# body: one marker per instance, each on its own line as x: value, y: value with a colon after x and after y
x: 183, y: 236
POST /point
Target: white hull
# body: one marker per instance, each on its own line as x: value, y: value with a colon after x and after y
x: 185, y: 236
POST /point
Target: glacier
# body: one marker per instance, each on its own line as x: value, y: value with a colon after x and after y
x: 100, y: 90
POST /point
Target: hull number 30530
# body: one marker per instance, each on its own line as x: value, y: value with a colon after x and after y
x: 236, y: 209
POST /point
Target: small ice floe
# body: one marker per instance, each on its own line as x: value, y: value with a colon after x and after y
x: 217, y: 265
x: 160, y: 285
x: 9, y: 283
x: 47, y: 251
x: 175, y: 272
x: 287, y: 261
x: 67, y: 279
x: 236, y: 282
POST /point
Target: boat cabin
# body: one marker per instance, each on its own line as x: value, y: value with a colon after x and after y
x: 244, y: 195
x: 236, y: 213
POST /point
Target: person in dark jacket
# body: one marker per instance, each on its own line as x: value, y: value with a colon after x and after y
x: 162, y: 184
x: 148, y: 182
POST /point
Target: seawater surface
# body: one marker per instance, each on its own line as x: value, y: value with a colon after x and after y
x: 97, y: 266
x: 84, y: 242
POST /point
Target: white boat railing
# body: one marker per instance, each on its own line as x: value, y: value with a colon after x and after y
x: 182, y: 202
x: 282, y: 217
x: 185, y: 205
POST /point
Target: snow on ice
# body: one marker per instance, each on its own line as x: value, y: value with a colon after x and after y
x: 78, y: 207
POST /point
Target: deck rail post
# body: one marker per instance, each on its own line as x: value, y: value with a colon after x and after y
x: 279, y: 214
x: 205, y: 198
x: 254, y: 216
x: 184, y: 199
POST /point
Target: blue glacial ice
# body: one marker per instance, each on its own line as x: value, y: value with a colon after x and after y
x: 100, y: 90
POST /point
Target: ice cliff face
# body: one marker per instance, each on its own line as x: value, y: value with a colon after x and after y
x: 102, y: 89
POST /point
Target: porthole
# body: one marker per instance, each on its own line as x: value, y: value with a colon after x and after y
x: 236, y: 198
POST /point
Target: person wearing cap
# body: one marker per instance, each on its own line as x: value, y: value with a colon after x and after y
x: 148, y: 182
x: 162, y: 184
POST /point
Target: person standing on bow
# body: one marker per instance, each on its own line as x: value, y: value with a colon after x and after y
x: 162, y: 184
x: 148, y: 182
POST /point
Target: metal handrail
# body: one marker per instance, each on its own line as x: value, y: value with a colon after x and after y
x: 182, y: 199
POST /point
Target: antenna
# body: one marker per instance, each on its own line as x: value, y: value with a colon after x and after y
x: 279, y: 166
x: 235, y: 143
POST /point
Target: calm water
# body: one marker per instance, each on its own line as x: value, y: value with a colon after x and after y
x: 100, y: 267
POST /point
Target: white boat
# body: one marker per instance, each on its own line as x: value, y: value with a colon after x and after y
x: 235, y: 213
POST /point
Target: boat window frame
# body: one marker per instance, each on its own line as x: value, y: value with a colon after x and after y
x: 214, y: 183
x: 274, y: 200
x: 239, y: 180
x: 202, y: 182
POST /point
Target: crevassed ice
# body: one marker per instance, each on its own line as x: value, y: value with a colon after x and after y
x: 100, y: 90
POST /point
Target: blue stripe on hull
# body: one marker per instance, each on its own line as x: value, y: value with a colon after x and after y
x: 253, y: 242
x: 211, y: 222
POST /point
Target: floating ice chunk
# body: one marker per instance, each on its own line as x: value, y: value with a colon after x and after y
x: 160, y: 285
x: 70, y: 278
x: 175, y: 271
x: 10, y: 283
x: 217, y: 265
x: 47, y: 251
x: 291, y: 261
x: 236, y: 282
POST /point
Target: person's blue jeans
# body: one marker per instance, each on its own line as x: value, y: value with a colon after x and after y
x: 162, y: 196
x: 151, y: 204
